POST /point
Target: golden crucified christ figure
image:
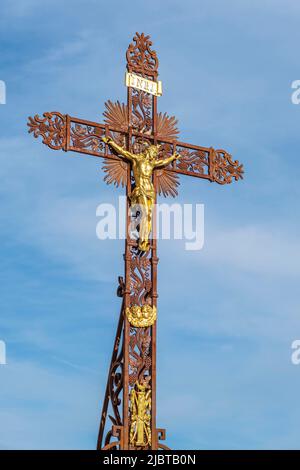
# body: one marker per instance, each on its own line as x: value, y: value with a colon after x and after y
x: 143, y: 164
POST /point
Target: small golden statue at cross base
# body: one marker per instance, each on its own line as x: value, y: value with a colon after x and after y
x: 143, y: 195
x: 140, y: 415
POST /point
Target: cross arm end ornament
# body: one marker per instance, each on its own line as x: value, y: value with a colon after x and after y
x: 51, y: 127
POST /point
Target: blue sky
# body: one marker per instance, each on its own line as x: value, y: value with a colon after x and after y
x: 228, y: 313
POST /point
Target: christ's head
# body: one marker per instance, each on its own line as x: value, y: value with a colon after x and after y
x: 152, y: 151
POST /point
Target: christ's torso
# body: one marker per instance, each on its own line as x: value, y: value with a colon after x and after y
x: 142, y: 172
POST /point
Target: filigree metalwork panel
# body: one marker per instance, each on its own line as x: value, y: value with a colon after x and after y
x: 202, y: 162
x: 225, y: 169
x: 194, y: 161
x: 140, y: 56
x: 139, y: 355
x: 85, y: 137
x: 51, y: 127
x: 141, y: 113
x: 140, y: 277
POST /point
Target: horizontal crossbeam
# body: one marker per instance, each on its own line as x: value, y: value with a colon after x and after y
x: 63, y: 132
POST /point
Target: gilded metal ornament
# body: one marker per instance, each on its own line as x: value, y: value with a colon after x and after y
x: 140, y: 415
x: 143, y: 194
x: 141, y: 317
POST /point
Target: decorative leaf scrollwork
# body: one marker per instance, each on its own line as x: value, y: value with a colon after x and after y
x: 115, y: 388
x: 140, y: 57
x: 141, y: 119
x: 140, y: 338
x: 87, y: 137
x: 140, y: 277
x: 196, y: 161
x: 139, y: 355
x: 225, y: 168
x: 52, y: 128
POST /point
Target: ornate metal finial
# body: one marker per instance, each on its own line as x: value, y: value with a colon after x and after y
x: 140, y: 57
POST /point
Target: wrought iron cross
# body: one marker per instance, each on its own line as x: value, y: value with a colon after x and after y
x: 128, y: 419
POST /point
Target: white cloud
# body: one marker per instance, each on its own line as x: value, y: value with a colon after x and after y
x: 255, y: 248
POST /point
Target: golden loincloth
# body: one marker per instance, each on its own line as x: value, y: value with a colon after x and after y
x: 138, y: 192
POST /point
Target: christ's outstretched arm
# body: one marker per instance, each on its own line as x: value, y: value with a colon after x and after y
x: 121, y: 151
x: 165, y: 162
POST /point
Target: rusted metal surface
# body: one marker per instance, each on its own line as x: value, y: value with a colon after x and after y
x: 133, y: 126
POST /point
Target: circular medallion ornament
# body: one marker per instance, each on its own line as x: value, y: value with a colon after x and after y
x: 141, y: 317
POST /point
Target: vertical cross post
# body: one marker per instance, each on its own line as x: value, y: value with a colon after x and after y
x: 138, y: 369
